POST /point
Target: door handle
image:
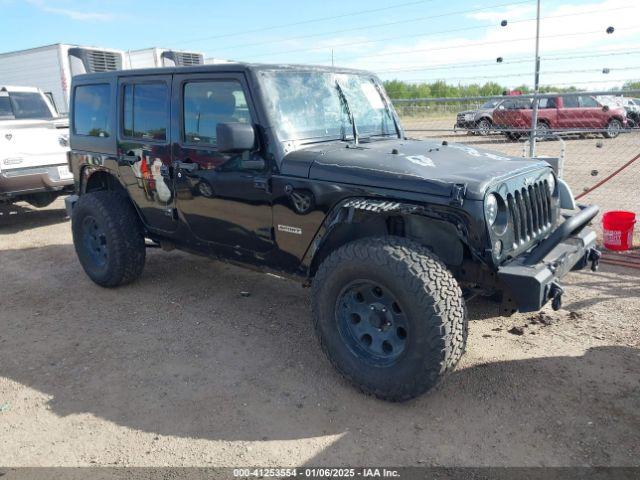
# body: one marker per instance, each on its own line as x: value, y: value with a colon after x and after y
x: 187, y: 166
x: 261, y: 183
x: 128, y: 159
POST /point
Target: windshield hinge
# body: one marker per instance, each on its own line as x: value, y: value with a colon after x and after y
x: 458, y: 191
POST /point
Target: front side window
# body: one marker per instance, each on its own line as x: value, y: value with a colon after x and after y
x: 206, y: 104
x: 547, y: 103
x: 570, y: 101
x: 588, y: 102
x: 490, y: 104
x: 309, y: 105
x: 92, y: 105
x: 145, y: 112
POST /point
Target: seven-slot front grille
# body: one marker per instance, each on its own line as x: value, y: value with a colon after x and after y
x: 530, y: 211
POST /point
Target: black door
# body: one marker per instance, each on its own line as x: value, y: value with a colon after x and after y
x: 144, y: 148
x: 224, y: 198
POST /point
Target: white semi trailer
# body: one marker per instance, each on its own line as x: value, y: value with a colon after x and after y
x: 162, y: 57
x: 51, y: 68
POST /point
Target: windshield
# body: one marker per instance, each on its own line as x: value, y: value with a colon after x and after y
x: 491, y: 103
x: 24, y: 106
x: 310, y: 105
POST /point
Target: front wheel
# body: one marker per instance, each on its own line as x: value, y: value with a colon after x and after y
x: 613, y: 128
x: 389, y: 316
x: 108, y: 238
x: 483, y: 127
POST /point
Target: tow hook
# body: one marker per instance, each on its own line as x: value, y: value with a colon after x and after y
x: 555, y: 294
x: 594, y: 258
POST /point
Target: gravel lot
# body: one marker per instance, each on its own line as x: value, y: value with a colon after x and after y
x: 181, y: 369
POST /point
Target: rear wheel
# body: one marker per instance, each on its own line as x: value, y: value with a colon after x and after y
x: 543, y: 132
x: 108, y: 238
x: 389, y: 316
x: 613, y: 128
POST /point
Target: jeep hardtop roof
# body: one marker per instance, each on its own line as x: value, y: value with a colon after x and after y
x: 216, y: 68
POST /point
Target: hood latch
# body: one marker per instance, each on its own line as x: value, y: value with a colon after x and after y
x: 458, y: 192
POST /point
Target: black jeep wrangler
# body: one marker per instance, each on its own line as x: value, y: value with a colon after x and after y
x: 306, y: 172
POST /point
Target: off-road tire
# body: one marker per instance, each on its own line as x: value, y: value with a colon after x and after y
x: 123, y: 236
x: 425, y: 289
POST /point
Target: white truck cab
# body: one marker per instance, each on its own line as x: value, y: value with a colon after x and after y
x: 33, y: 148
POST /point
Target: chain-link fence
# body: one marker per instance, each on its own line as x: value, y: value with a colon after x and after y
x: 595, y: 134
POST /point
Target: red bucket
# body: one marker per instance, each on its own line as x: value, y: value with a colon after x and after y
x: 618, y: 230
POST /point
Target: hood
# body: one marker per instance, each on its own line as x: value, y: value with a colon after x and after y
x: 421, y: 166
x: 476, y: 111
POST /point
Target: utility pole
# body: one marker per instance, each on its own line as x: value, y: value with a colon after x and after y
x: 332, y: 57
x: 536, y: 87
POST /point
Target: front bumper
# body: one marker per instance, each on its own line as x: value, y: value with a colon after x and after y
x: 531, y: 280
x: 465, y: 124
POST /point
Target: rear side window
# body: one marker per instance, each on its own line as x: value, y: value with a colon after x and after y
x: 91, y: 110
x: 145, y: 111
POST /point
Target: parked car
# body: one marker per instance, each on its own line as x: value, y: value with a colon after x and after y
x: 633, y: 112
x: 33, y: 152
x: 306, y: 172
x: 480, y: 120
x: 566, y: 113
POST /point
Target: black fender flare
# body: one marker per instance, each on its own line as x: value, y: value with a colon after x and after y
x: 97, y: 165
x: 345, y: 211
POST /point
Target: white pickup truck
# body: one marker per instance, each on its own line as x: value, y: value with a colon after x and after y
x: 33, y: 148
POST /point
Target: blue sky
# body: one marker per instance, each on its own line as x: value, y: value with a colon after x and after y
x: 456, y: 40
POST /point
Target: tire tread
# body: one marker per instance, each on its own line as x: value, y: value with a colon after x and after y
x: 433, y: 287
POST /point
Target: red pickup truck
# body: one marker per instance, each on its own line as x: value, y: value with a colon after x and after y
x: 561, y: 114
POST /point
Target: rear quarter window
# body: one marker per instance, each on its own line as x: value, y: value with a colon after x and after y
x: 91, y: 110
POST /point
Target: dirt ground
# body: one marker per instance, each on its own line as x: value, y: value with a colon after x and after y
x: 180, y: 369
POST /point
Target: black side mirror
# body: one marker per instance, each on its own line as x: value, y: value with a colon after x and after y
x: 235, y: 137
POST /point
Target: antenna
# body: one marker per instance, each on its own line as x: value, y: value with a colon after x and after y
x: 536, y: 86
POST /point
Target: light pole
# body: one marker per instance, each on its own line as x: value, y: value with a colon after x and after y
x: 536, y: 86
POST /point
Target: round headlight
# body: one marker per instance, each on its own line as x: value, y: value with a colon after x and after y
x: 491, y: 208
x: 551, y: 182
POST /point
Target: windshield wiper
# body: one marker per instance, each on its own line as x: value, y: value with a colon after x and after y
x: 345, y: 104
x: 388, y: 108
